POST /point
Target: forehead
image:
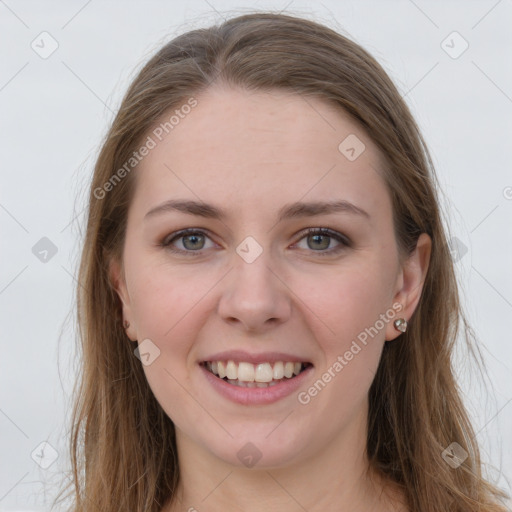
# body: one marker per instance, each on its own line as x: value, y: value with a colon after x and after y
x: 258, y: 149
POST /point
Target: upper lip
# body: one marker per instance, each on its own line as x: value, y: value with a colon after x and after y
x: 239, y: 356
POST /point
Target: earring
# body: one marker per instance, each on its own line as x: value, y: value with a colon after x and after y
x: 400, y: 324
x: 126, y: 324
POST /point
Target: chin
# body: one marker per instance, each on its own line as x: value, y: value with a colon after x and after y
x: 256, y: 452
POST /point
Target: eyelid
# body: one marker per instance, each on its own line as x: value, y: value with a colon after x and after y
x: 342, y: 239
x: 328, y: 232
x: 167, y: 241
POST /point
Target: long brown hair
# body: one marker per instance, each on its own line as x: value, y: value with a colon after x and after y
x: 123, y: 450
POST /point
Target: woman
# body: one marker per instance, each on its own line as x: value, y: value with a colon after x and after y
x: 268, y: 305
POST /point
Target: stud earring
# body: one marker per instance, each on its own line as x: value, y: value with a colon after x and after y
x: 400, y: 324
x: 126, y: 324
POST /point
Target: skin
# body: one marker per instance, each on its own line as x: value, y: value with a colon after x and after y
x: 250, y: 153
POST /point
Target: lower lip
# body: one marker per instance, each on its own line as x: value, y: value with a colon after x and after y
x: 256, y: 396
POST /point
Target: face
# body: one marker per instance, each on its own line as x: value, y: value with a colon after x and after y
x: 250, y: 284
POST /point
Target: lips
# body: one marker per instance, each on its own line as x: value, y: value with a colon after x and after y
x: 250, y: 378
x: 256, y: 393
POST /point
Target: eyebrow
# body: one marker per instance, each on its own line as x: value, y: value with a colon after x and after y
x: 288, y: 211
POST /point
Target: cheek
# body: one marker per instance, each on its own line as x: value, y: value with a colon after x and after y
x: 348, y: 302
x: 164, y: 307
x: 164, y: 297
x: 167, y: 311
x: 352, y: 308
x: 352, y: 311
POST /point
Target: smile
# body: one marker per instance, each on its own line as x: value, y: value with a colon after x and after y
x: 262, y: 375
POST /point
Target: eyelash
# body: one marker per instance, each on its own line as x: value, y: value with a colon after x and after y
x: 344, y: 241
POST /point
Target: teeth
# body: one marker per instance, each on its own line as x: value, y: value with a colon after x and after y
x: 248, y: 375
x: 278, y: 370
x: 231, y: 370
x: 242, y: 384
x: 263, y: 373
x: 246, y: 372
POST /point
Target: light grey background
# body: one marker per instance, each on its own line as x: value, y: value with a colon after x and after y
x: 55, y: 110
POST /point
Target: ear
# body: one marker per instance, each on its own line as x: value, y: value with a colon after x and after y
x: 118, y: 282
x: 410, y: 282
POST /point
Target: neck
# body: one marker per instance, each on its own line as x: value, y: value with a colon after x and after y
x: 337, y: 478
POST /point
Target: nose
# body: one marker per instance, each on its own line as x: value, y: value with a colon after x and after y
x: 255, y: 296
